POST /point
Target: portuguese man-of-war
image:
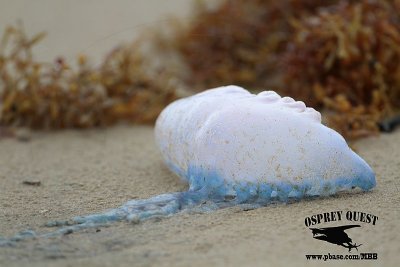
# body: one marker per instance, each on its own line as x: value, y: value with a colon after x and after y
x: 234, y: 147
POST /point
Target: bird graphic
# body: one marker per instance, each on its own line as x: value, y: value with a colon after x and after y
x: 336, y: 235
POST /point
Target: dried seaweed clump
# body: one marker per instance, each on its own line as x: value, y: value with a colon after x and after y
x: 239, y: 42
x: 346, y: 59
x: 52, y: 96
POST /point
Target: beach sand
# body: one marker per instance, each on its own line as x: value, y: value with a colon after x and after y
x: 84, y: 172
x: 92, y: 28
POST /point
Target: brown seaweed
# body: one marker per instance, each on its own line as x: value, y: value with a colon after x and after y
x: 345, y: 59
x: 240, y: 41
x: 54, y: 95
x: 339, y: 57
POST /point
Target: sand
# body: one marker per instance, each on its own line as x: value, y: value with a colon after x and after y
x: 83, y: 172
x: 92, y: 28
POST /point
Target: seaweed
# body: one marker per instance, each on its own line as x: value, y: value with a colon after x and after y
x: 339, y: 57
x: 55, y: 95
x: 240, y: 42
x: 345, y: 59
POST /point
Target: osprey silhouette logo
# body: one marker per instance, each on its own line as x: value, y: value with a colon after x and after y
x: 336, y: 235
